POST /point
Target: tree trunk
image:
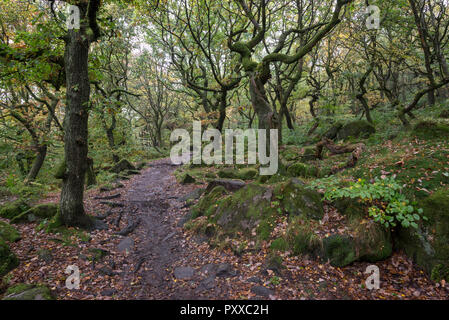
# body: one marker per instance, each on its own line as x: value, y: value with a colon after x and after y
x: 75, y: 133
x: 268, y: 119
x: 37, y: 163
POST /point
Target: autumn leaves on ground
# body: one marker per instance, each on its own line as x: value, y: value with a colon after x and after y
x: 160, y: 259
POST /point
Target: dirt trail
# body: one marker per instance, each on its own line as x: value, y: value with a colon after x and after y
x: 153, y: 198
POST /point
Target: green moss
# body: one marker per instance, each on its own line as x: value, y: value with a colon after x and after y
x: 373, y: 241
x: 429, y: 245
x: 440, y: 272
x: 8, y: 259
x: 28, y: 292
x: 8, y: 232
x: 248, y: 208
x: 13, y: 209
x: 97, y: 254
x: 187, y: 178
x: 309, y: 154
x: 61, y: 170
x: 41, y: 211
x: 302, y: 170
x: 279, y: 244
x: 207, y: 203
x: 296, y: 199
x: 352, y: 208
x: 356, y: 129
x: 431, y: 130
x: 18, y: 288
x: 339, y: 250
x: 301, y: 239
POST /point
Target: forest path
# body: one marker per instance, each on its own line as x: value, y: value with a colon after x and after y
x: 164, y: 266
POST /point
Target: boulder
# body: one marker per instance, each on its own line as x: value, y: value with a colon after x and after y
x: 333, y: 131
x: 187, y: 179
x: 297, y: 200
x: 12, y: 209
x: 302, y: 170
x: 339, y: 250
x: 242, y: 174
x: 229, y: 185
x: 207, y: 201
x: 356, y: 129
x: 28, y: 292
x: 8, y: 232
x: 8, y: 259
x: 431, y: 130
x: 248, y: 208
x: 444, y: 114
x: 39, y: 212
x: 429, y: 245
x: 351, y: 208
x: 122, y: 165
x: 309, y: 154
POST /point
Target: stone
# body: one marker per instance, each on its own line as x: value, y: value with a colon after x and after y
x: 8, y: 232
x: 184, y: 273
x: 339, y: 250
x: 187, y: 179
x: 13, y: 209
x: 262, y: 291
x: 297, y: 200
x: 38, y: 212
x: 229, y: 185
x: 125, y: 245
x: 8, y: 259
x: 356, y: 129
x: 28, y: 292
x: 122, y: 165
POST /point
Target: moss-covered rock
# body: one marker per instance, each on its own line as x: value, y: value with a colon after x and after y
x: 290, y: 153
x: 301, y: 239
x: 333, y: 130
x: 28, y: 292
x: 242, y: 174
x: 8, y: 259
x: 8, y: 232
x: 13, y: 209
x: 39, y: 212
x: 247, y: 174
x: 373, y: 242
x: 61, y: 170
x: 429, y: 245
x: 227, y: 174
x: 297, y: 200
x: 444, y: 114
x: 207, y: 203
x: 309, y: 154
x: 248, y: 208
x: 356, y: 129
x: 187, y: 178
x: 339, y: 250
x: 302, y: 170
x: 351, y: 208
x: 431, y: 130
x: 122, y: 165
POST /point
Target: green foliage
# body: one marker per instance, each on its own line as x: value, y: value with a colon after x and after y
x: 387, y: 205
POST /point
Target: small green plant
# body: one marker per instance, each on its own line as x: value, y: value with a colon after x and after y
x: 275, y: 280
x: 388, y: 205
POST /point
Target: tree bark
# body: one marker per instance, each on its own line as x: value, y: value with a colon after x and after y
x: 76, y: 126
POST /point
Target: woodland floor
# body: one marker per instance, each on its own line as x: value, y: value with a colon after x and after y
x: 160, y: 260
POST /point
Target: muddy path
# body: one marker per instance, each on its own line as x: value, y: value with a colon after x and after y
x: 159, y: 259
